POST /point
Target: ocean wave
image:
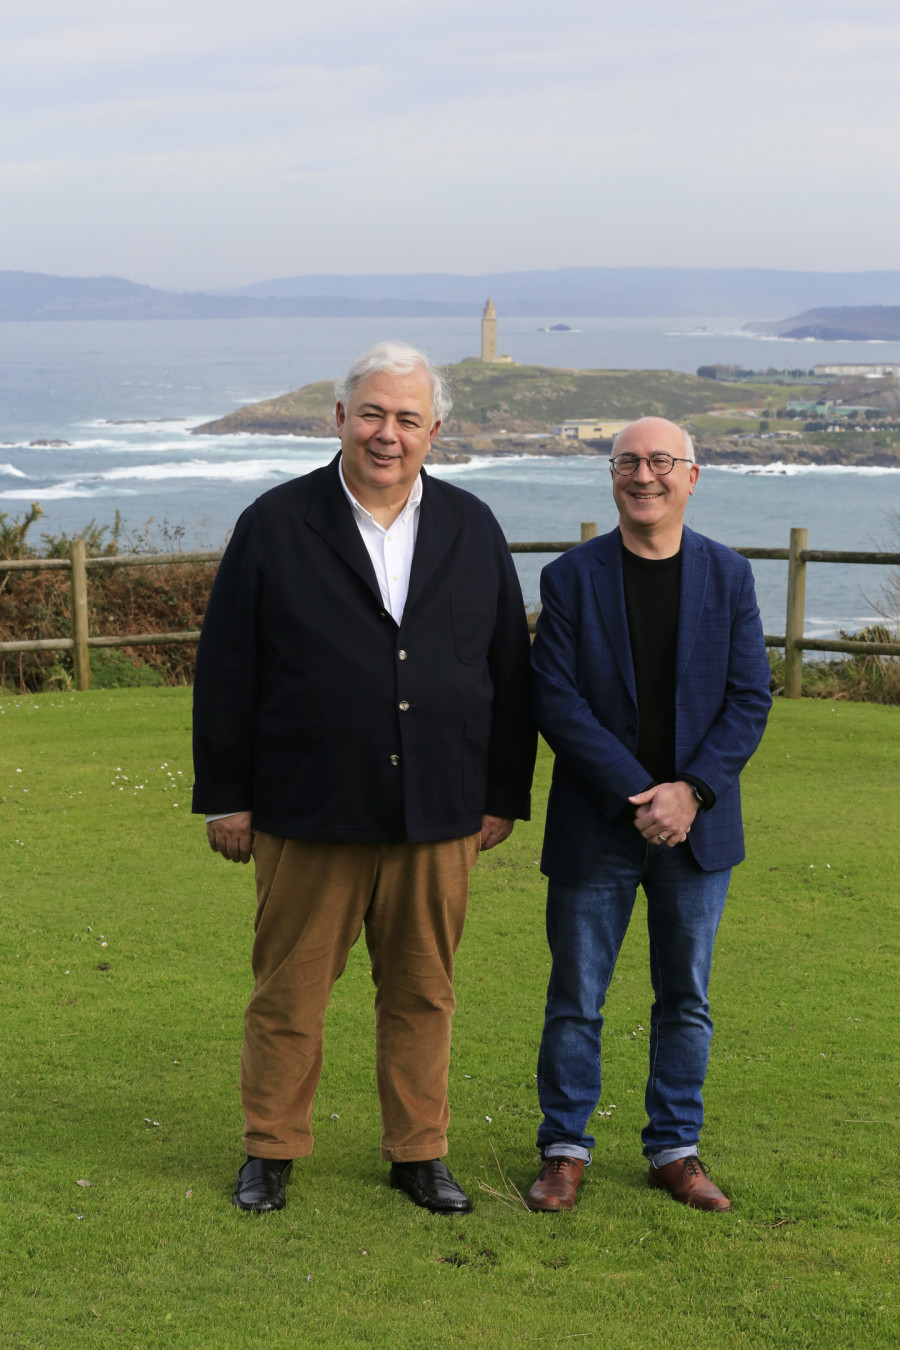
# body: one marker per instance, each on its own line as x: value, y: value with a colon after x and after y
x: 10, y: 471
x: 814, y: 627
x: 235, y: 471
x: 480, y: 463
x: 784, y: 468
x: 139, y: 422
x: 58, y: 492
x: 154, y: 441
x: 68, y: 445
x: 782, y: 337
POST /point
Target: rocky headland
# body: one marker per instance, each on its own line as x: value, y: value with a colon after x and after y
x: 512, y: 410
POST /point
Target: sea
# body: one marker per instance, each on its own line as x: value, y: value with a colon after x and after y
x: 121, y: 399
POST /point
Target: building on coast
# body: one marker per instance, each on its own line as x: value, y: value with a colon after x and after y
x: 872, y: 369
x: 489, y: 336
x: 589, y: 429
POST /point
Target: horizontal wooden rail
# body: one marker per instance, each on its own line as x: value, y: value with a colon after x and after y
x: 116, y: 640
x: 113, y: 560
x: 768, y: 554
x: 154, y: 559
x: 849, y: 645
x: 830, y: 555
x: 34, y: 564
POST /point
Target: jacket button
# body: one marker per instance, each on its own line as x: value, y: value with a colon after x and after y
x: 395, y: 760
x: 382, y: 615
x: 404, y: 706
x: 401, y: 656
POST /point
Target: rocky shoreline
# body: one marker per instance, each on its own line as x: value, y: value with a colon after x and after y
x: 460, y: 447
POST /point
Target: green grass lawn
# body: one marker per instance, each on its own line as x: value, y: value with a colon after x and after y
x: 124, y: 967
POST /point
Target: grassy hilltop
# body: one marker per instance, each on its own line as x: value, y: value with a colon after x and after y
x: 487, y: 398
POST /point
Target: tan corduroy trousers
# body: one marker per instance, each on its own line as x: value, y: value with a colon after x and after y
x: 314, y: 898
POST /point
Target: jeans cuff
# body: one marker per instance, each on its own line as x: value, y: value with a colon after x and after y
x: 669, y: 1155
x: 564, y: 1150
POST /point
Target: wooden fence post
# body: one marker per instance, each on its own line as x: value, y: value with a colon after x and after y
x: 80, y: 650
x: 793, y: 626
x: 588, y: 530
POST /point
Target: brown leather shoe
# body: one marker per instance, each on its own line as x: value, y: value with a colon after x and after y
x: 556, y: 1184
x: 687, y: 1180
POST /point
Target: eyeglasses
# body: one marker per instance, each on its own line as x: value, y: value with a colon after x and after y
x: 659, y: 463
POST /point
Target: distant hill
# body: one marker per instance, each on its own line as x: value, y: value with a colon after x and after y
x: 36, y: 296
x: 571, y: 292
x: 860, y: 323
x: 612, y: 291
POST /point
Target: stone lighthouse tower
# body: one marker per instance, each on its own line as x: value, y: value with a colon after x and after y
x: 489, y: 332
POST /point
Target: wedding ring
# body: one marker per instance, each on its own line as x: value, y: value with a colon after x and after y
x: 661, y: 838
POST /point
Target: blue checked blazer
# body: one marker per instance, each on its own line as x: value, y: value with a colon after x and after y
x: 586, y: 702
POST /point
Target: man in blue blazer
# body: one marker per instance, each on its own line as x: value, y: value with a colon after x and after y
x: 651, y: 685
x: 363, y: 725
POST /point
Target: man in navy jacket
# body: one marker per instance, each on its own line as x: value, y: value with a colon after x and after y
x: 362, y: 724
x: 651, y: 685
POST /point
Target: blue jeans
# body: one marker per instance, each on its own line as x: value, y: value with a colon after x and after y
x: 586, y: 926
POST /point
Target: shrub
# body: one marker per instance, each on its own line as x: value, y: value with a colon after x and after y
x: 122, y: 600
x: 855, y: 678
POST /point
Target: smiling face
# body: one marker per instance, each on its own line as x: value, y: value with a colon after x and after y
x: 651, y: 507
x: 386, y: 431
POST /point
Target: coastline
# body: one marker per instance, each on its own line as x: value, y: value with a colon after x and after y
x: 727, y: 451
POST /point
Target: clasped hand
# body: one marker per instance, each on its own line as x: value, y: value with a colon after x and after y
x: 665, y: 813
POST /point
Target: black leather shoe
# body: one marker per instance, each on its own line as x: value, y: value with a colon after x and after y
x: 431, y: 1185
x: 260, y: 1184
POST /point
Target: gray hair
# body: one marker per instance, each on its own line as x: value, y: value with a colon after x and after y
x: 688, y: 443
x: 395, y: 358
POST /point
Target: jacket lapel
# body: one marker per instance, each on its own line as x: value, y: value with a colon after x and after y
x: 438, y: 527
x: 694, y: 572
x: 331, y: 517
x: 609, y: 589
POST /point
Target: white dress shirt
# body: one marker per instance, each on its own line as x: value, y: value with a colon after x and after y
x: 391, y: 549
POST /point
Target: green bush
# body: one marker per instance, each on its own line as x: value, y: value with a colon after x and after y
x: 112, y: 668
x: 855, y: 678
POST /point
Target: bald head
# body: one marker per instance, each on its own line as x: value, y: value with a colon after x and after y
x: 652, y: 426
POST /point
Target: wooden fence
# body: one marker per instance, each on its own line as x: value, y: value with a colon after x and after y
x: 797, y: 556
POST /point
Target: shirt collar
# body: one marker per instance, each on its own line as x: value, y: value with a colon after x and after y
x: 412, y: 501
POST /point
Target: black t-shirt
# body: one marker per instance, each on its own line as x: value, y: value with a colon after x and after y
x: 652, y: 596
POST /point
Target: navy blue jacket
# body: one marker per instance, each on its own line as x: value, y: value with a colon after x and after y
x: 304, y: 710
x: 586, y: 702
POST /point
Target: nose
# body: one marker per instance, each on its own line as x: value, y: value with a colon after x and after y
x: 387, y: 431
x: 643, y: 473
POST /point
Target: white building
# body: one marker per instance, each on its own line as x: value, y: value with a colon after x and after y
x: 589, y: 428
x: 873, y: 370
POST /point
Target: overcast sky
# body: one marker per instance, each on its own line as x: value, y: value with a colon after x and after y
x: 202, y: 143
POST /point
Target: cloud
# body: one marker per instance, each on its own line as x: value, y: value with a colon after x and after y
x: 455, y: 135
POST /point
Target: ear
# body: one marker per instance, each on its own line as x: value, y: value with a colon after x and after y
x: 693, y: 474
x: 434, y: 431
x: 340, y: 415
